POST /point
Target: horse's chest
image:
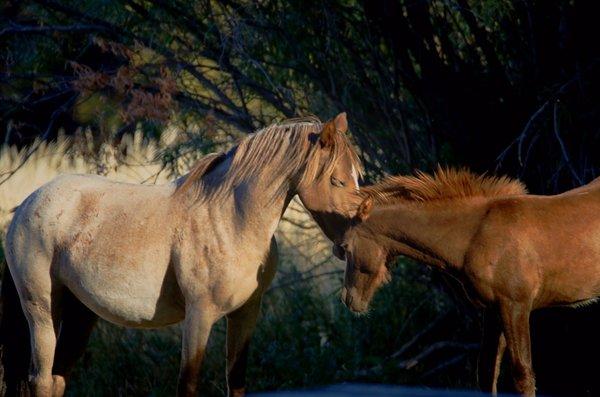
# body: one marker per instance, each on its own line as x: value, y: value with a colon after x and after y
x: 236, y: 284
x: 234, y: 279
x: 231, y: 296
x: 463, y: 288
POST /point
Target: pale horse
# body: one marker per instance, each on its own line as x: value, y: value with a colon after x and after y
x: 195, y: 250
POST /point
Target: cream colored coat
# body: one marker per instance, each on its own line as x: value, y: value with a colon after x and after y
x: 194, y: 250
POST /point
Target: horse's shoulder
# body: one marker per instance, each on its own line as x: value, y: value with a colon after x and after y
x: 506, y: 207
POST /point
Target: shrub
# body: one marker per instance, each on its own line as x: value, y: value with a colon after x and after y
x: 305, y: 338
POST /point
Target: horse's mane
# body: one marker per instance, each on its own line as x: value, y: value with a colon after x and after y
x: 201, y: 168
x: 284, y: 147
x: 444, y: 183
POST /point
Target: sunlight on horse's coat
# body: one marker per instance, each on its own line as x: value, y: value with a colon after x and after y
x: 146, y: 256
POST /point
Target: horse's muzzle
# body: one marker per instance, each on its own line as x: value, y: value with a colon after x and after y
x: 353, y: 302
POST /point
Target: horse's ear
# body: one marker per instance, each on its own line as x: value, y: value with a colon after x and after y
x: 341, y: 123
x: 364, y: 209
x: 338, y: 125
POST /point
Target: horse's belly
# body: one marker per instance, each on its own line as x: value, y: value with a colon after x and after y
x: 141, y: 299
x: 137, y: 314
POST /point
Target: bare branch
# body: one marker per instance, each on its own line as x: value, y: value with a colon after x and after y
x: 563, y: 148
x: 7, y: 175
x: 23, y: 29
x: 408, y: 345
x: 413, y: 361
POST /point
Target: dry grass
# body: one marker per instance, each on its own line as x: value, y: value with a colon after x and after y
x: 134, y: 160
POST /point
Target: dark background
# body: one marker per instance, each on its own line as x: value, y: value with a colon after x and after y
x: 510, y: 87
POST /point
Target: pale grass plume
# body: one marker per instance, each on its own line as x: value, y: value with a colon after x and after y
x: 133, y: 160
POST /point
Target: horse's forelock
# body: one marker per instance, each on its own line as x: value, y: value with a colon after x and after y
x: 334, y: 153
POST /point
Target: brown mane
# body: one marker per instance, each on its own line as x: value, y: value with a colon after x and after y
x: 285, y: 148
x: 445, y: 183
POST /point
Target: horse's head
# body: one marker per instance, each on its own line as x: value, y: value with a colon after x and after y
x: 331, y: 195
x: 366, y: 262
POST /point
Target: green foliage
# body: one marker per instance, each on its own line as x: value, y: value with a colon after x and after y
x: 423, y: 82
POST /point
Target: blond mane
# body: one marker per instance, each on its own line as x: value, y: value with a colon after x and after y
x: 445, y: 183
x: 286, y: 148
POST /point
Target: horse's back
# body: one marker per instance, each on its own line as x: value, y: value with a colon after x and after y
x: 61, y: 206
x: 552, y: 239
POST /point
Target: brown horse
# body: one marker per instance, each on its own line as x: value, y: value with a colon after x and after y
x: 200, y: 248
x: 512, y: 252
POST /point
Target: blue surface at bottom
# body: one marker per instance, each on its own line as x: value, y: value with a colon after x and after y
x: 356, y: 390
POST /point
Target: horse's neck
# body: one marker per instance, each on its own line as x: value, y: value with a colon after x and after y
x: 437, y: 234
x: 259, y: 208
x: 256, y: 205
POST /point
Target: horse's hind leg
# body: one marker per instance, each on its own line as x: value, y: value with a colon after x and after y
x: 41, y: 311
x: 76, y: 326
x: 40, y: 296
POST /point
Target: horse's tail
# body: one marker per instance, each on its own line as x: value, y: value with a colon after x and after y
x: 14, y: 340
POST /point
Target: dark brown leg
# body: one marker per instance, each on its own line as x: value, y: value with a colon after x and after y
x: 515, y: 319
x: 77, y: 324
x: 492, y: 350
x: 240, y: 326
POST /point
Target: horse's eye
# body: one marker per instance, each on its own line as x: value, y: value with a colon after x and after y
x: 365, y: 269
x: 336, y: 182
x: 339, y: 251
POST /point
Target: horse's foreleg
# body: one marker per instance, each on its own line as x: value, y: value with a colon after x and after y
x: 196, y: 329
x: 492, y: 350
x: 240, y: 326
x: 515, y: 320
x: 77, y: 324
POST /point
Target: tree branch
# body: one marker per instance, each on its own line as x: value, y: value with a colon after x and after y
x: 22, y: 29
